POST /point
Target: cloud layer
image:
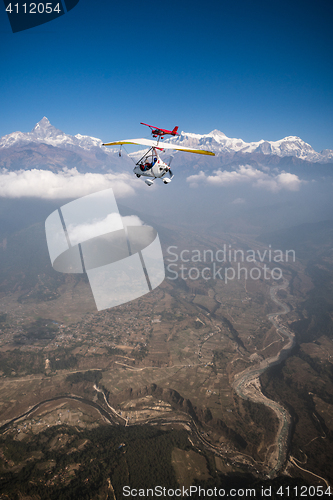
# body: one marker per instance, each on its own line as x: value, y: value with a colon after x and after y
x: 96, y: 227
x: 68, y: 183
x: 250, y: 175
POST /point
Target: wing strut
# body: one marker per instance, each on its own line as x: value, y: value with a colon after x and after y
x: 146, y: 154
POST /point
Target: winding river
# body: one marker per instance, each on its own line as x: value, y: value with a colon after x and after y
x: 247, y: 385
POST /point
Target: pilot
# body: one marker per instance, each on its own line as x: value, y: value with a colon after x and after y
x: 147, y: 166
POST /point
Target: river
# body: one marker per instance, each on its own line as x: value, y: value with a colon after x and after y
x: 247, y: 384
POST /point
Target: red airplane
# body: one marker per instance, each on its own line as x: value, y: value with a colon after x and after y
x: 160, y: 131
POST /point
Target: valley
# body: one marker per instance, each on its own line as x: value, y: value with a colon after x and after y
x: 193, y: 355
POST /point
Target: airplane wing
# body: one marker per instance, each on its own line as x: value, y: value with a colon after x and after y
x: 162, y: 130
x: 161, y: 146
x: 151, y: 126
x: 157, y: 128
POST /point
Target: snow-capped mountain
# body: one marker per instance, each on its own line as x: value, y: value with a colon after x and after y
x: 47, y: 147
x: 45, y: 133
x: 220, y: 144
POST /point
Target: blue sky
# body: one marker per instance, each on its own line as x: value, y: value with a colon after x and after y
x: 252, y: 69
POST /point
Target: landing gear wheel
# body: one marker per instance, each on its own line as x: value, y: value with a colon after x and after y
x: 138, y: 175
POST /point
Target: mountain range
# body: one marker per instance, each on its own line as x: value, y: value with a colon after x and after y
x: 220, y: 144
x: 47, y: 147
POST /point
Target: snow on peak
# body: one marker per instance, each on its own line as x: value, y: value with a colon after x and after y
x: 43, y: 129
x: 216, y: 141
x: 217, y: 133
x: 292, y: 138
x: 43, y: 124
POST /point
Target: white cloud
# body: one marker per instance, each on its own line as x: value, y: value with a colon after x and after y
x: 131, y: 220
x: 250, y: 175
x: 289, y: 181
x: 238, y: 201
x: 96, y: 227
x: 93, y: 228
x: 68, y: 183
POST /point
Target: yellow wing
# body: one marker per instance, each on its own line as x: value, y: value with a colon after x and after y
x: 161, y: 145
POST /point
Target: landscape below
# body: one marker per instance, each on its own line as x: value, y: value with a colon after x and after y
x: 178, y: 387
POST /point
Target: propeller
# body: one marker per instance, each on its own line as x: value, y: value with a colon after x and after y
x: 171, y: 158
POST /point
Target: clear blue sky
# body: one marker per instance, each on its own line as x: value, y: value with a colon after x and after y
x: 253, y: 69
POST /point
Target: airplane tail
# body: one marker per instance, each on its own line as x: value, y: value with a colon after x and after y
x: 174, y: 132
